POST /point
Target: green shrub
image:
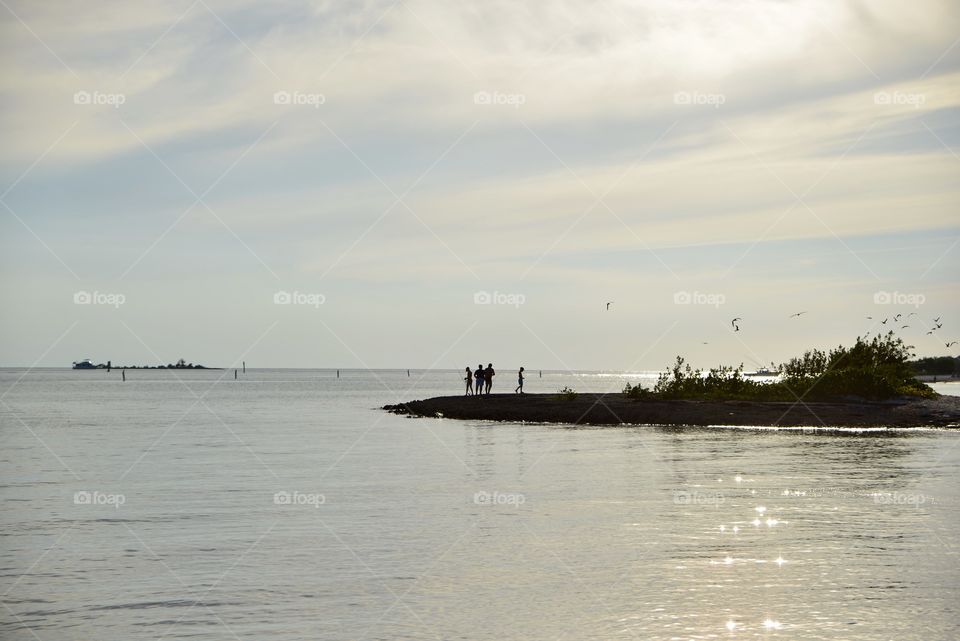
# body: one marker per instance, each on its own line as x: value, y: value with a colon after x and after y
x: 876, y: 369
x: 637, y: 391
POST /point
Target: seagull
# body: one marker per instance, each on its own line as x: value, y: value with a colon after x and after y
x: 884, y: 321
x: 939, y: 325
x: 912, y: 314
x: 952, y: 343
x: 869, y: 317
x: 797, y: 314
x: 736, y: 327
x: 897, y: 317
x: 608, y: 305
x: 930, y: 332
x: 905, y: 326
x: 936, y: 320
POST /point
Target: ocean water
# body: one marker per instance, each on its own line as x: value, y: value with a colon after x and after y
x: 285, y: 505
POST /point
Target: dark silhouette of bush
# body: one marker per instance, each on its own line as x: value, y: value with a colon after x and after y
x: 876, y: 369
x: 936, y: 366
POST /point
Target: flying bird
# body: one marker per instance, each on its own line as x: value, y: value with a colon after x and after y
x: 905, y: 326
x: 936, y: 320
x: 912, y: 314
x: 952, y: 343
x: 930, y: 332
x: 736, y: 327
x: 869, y: 317
x: 897, y: 317
x: 797, y: 314
x: 608, y: 305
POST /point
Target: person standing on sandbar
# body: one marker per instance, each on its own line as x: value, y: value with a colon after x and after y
x: 468, y: 379
x: 488, y: 375
x: 519, y: 389
x: 478, y: 375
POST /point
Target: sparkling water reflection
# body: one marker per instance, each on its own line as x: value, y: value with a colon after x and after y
x: 285, y: 506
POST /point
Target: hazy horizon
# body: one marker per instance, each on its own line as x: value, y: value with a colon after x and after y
x: 397, y: 184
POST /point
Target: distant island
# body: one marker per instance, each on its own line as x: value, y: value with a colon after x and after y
x: 871, y: 384
x: 181, y: 364
x: 937, y: 368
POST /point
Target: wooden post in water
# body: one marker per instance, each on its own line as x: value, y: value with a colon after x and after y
x: 234, y: 374
x: 244, y: 367
x: 408, y: 373
x: 123, y: 373
x: 338, y: 373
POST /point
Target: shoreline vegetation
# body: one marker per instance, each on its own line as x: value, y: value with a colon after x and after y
x: 875, y: 369
x: 870, y: 384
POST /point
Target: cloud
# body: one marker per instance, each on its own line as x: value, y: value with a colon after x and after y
x: 698, y: 122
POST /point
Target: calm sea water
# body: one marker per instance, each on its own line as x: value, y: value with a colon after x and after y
x: 284, y: 505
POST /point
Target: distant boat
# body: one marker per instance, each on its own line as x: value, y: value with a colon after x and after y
x: 84, y: 364
x: 763, y: 371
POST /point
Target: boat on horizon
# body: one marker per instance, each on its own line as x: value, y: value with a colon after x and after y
x: 84, y: 364
x: 762, y: 371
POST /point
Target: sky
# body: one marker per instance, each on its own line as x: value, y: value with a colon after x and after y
x: 412, y: 184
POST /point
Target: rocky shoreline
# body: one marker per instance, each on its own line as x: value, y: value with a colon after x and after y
x: 615, y: 409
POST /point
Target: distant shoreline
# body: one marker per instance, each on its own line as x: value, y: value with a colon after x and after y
x: 616, y: 409
x: 113, y: 367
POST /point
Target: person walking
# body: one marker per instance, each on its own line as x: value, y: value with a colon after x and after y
x: 468, y: 379
x: 519, y: 389
x: 478, y: 377
x: 488, y: 377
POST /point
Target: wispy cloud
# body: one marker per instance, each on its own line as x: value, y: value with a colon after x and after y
x: 728, y: 127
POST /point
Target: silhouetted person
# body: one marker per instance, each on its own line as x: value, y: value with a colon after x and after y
x: 519, y: 389
x: 478, y: 376
x: 468, y: 379
x: 488, y: 375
